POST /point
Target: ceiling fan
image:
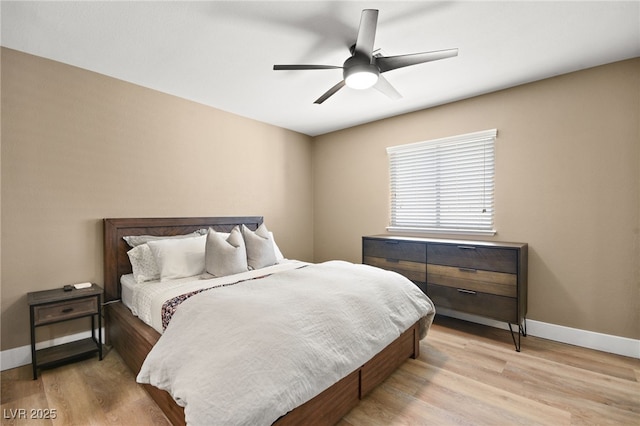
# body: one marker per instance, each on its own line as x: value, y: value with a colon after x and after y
x: 364, y: 68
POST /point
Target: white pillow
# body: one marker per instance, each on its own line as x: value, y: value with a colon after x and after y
x: 143, y: 264
x: 260, y: 248
x: 179, y: 258
x: 136, y: 240
x: 225, y: 254
x: 279, y: 255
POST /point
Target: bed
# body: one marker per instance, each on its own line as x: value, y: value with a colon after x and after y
x: 134, y: 340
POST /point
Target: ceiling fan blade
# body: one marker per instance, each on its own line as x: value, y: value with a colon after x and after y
x: 304, y: 67
x: 329, y: 93
x: 366, y: 33
x: 388, y: 63
x: 383, y: 86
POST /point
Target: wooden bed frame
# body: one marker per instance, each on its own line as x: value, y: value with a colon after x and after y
x: 133, y: 339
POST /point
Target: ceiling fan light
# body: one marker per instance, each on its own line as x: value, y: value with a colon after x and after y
x: 359, y: 73
x: 361, y: 79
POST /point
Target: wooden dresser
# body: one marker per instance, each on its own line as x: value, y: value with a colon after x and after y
x: 487, y: 279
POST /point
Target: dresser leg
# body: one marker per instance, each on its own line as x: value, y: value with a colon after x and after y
x: 517, y: 344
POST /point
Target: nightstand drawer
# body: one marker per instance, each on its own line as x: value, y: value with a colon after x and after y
x: 474, y: 257
x: 413, y: 270
x: 44, y: 314
x: 395, y: 249
x: 498, y: 283
x: 488, y: 305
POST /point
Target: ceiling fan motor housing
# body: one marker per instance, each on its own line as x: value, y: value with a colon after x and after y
x: 359, y: 72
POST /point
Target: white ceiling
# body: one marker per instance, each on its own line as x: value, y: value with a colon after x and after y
x: 222, y: 53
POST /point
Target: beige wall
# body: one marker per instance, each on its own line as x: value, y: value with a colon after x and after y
x: 78, y: 147
x: 567, y: 183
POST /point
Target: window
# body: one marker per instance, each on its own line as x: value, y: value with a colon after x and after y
x: 443, y: 185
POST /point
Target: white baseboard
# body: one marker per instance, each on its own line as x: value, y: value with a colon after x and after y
x: 573, y: 336
x: 587, y: 339
x: 17, y: 357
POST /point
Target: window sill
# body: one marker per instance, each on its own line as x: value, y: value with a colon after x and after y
x: 441, y: 231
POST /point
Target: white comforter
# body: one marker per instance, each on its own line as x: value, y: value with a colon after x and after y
x: 147, y: 298
x: 249, y: 353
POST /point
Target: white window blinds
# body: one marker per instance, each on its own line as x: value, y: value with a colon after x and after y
x: 444, y: 185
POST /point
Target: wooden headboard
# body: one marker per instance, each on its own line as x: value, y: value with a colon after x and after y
x: 116, y: 261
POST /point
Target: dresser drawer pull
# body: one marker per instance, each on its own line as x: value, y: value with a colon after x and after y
x: 67, y: 310
x: 467, y: 270
x: 466, y: 247
x: 461, y: 290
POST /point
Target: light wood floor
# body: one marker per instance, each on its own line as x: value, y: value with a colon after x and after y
x: 467, y: 374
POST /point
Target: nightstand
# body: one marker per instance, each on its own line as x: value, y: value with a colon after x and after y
x: 52, y: 306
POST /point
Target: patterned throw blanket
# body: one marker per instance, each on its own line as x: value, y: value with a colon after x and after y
x: 169, y: 307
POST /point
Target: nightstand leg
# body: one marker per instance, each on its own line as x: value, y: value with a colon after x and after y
x: 100, y: 332
x: 99, y: 329
x: 34, y: 362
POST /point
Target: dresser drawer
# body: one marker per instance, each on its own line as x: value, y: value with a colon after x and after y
x: 474, y: 257
x: 498, y: 283
x: 413, y: 270
x: 487, y: 305
x: 53, y: 312
x: 395, y: 249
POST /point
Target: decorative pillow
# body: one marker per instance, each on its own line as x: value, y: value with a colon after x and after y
x: 225, y: 254
x: 260, y: 248
x: 143, y: 263
x: 279, y: 255
x: 136, y: 240
x: 179, y: 257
